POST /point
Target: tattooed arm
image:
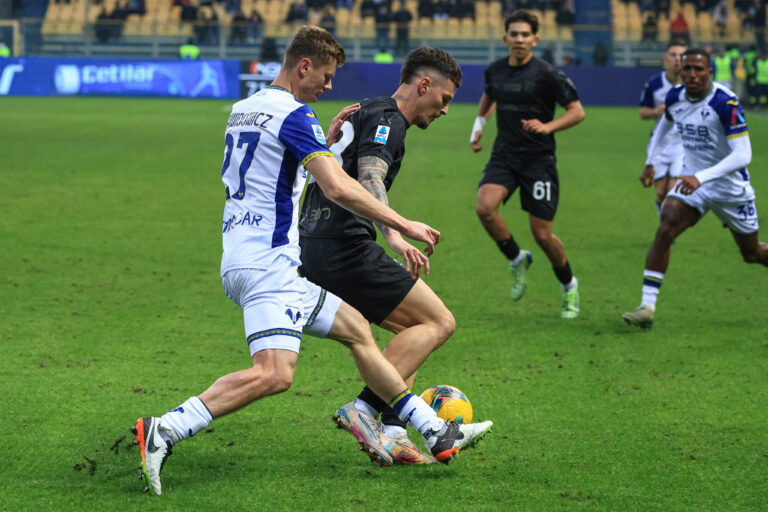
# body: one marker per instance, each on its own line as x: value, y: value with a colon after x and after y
x: 371, y: 171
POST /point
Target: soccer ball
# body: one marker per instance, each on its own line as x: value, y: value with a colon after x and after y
x: 449, y: 403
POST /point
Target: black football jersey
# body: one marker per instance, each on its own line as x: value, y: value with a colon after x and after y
x: 377, y: 129
x: 529, y: 91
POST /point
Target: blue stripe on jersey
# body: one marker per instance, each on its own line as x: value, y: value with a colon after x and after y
x: 744, y: 173
x: 284, y: 199
x: 730, y: 112
x: 673, y: 96
x: 651, y: 86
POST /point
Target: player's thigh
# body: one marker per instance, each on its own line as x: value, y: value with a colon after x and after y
x: 420, y: 306
x: 540, y: 188
x: 350, y: 327
x: 497, y: 183
x: 360, y: 272
x: 677, y: 215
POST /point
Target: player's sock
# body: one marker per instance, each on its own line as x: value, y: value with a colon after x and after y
x: 369, y: 402
x: 415, y: 411
x: 187, y: 419
x: 510, y: 249
x: 565, y: 276
x: 651, y: 286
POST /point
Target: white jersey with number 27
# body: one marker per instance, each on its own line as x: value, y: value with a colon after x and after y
x: 269, y: 138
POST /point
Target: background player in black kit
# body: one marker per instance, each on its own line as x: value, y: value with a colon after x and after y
x: 338, y: 248
x: 525, y: 90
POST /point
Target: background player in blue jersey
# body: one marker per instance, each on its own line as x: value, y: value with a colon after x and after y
x: 339, y: 250
x: 710, y: 121
x: 525, y: 91
x: 668, y: 165
x: 270, y: 139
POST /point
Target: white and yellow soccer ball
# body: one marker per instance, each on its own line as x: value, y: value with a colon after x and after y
x: 449, y: 403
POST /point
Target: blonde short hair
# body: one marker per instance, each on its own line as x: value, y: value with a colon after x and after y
x: 314, y: 43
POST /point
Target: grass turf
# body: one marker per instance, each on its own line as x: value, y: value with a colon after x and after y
x: 112, y: 308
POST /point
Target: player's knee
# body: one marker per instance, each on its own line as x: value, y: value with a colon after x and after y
x: 280, y: 378
x: 484, y: 211
x: 445, y: 325
x: 543, y: 237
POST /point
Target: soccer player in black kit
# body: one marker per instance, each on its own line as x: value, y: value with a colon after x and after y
x: 339, y: 250
x: 524, y: 90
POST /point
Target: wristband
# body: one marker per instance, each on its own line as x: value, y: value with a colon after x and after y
x: 477, y: 127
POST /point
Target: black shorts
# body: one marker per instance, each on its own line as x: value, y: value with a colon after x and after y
x: 359, y: 271
x: 536, y: 177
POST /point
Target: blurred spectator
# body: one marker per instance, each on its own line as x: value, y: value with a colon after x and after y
x: 118, y: 16
x: 650, y: 29
x: 678, y: 29
x: 256, y: 26
x: 5, y: 52
x: 367, y: 9
x: 402, y: 18
x: 239, y: 31
x: 103, y: 26
x: 601, y: 54
x: 189, y: 50
x: 566, y: 13
x: 269, y: 51
x: 721, y: 17
x: 383, y: 19
x: 188, y: 12
x: 547, y: 55
x: 760, y: 25
x: 761, y: 78
x: 383, y: 57
x: 426, y: 9
x: 297, y: 13
x: 441, y: 10
x: 328, y: 20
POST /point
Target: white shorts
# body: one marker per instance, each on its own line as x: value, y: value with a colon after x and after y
x: 668, y: 169
x: 278, y: 306
x: 735, y: 211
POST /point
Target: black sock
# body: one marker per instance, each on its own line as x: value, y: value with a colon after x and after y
x: 564, y: 274
x: 368, y: 396
x: 509, y: 247
x: 390, y: 417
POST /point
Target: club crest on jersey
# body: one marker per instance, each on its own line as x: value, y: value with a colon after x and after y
x: 382, y: 134
x: 704, y: 114
x: 294, y: 317
x: 319, y: 135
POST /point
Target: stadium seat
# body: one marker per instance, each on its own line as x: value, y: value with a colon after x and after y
x: 663, y: 27
x: 706, y: 26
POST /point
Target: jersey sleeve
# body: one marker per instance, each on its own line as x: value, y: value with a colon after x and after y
x: 731, y: 115
x: 489, y: 90
x: 381, y: 136
x: 302, y: 135
x: 646, y: 97
x: 565, y: 90
x: 673, y: 96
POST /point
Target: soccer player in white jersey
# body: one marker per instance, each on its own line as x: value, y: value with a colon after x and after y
x: 669, y: 162
x: 710, y: 121
x: 270, y: 139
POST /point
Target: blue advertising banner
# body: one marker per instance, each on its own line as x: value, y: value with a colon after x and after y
x: 42, y: 76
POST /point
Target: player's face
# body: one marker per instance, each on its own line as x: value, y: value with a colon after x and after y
x: 316, y: 81
x: 672, y: 59
x: 520, y: 40
x: 697, y: 75
x: 434, y: 103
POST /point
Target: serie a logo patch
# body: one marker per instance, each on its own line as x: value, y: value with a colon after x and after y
x: 382, y: 134
x: 319, y: 135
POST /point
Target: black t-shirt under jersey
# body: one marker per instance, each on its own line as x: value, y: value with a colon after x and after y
x: 377, y: 129
x: 529, y: 91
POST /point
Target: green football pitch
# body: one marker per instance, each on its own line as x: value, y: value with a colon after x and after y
x: 112, y: 308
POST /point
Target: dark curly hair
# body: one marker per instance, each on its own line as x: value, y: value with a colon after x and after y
x: 522, y: 16
x: 432, y: 58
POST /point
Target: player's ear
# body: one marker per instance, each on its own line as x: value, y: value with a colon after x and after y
x: 304, y: 65
x: 425, y: 83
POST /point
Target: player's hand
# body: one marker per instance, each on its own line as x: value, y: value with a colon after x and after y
x: 647, y: 177
x: 413, y: 259
x: 687, y: 185
x: 475, y: 142
x: 338, y: 121
x: 535, y: 126
x: 659, y: 111
x: 423, y: 233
